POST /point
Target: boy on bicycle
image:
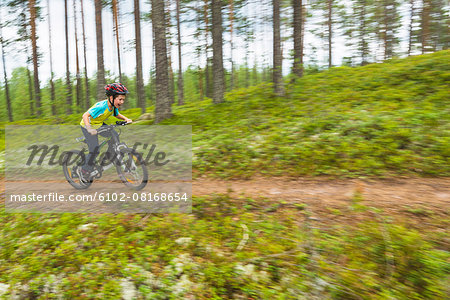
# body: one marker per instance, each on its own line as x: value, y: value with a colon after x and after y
x: 94, y: 118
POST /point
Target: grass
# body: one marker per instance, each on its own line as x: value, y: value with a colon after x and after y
x: 287, y: 254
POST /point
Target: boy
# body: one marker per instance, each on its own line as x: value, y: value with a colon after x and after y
x: 94, y: 118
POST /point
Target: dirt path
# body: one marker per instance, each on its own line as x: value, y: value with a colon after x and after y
x: 390, y: 192
x: 325, y: 194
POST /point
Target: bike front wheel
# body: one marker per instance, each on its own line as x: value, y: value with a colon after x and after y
x: 131, y: 169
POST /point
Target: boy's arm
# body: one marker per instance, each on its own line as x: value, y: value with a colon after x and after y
x: 87, y: 123
x: 122, y: 117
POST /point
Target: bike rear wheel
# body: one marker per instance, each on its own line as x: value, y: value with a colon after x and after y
x: 132, y: 169
x: 69, y: 169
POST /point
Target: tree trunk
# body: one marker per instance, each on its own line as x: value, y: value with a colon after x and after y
x: 100, y: 65
x: 425, y: 36
x: 231, y: 3
x: 277, y: 58
x: 208, y: 61
x: 78, y: 76
x: 180, y: 69
x: 52, y: 85
x: 410, y: 30
x: 362, y: 33
x: 30, y: 89
x: 298, y: 22
x: 86, y: 79
x: 330, y: 32
x: 163, y: 109
x: 247, y: 73
x: 169, y: 54
x: 207, y: 73
x: 37, y: 89
x: 116, y: 33
x: 8, y: 98
x: 68, y: 84
x: 302, y: 38
x: 139, y: 75
x: 219, y: 76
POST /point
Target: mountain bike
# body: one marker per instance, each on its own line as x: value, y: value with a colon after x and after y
x: 128, y: 162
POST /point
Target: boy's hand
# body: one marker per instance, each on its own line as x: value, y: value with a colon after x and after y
x: 128, y: 120
x: 92, y: 131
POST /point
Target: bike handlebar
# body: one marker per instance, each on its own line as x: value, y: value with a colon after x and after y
x: 110, y: 127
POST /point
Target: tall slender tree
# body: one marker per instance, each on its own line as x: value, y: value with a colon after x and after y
x: 37, y: 89
x: 8, y: 98
x: 20, y: 7
x: 218, y: 70
x: 328, y: 16
x: 115, y: 10
x: 139, y: 77
x: 411, y: 35
x: 387, y: 24
x: 68, y: 83
x: 180, y: 66
x: 86, y: 79
x: 277, y: 57
x: 78, y: 75
x: 231, y: 18
x: 163, y: 109
x: 439, y: 25
x: 169, y: 51
x: 358, y: 23
x: 297, y: 69
x: 207, y: 48
x: 100, y: 64
x: 425, y: 26
x: 52, y: 84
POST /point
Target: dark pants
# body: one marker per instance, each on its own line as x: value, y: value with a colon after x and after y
x: 92, y: 141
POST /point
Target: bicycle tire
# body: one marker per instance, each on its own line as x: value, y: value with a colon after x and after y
x: 127, y: 169
x: 67, y: 170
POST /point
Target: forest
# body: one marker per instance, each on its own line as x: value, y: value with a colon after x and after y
x: 226, y: 45
x: 320, y: 164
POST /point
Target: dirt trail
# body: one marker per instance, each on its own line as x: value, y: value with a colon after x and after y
x: 391, y: 194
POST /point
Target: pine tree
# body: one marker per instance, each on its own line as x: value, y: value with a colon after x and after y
x: 37, y: 88
x: 68, y: 84
x: 52, y: 85
x: 99, y: 38
x: 139, y: 78
x: 78, y: 75
x: 8, y: 98
x: 297, y: 6
x: 180, y: 69
x: 218, y: 70
x: 387, y: 20
x: 277, y: 56
x: 86, y: 79
x: 163, y: 108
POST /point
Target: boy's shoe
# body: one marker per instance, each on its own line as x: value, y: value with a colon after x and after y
x: 83, y: 175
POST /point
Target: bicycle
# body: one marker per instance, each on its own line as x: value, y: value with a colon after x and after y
x: 129, y: 164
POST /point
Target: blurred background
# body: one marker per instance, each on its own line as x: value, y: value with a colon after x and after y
x: 320, y: 142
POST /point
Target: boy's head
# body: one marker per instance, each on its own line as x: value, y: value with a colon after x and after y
x: 116, y: 93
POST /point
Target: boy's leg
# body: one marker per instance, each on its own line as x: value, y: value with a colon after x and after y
x: 92, y: 141
x: 115, y: 136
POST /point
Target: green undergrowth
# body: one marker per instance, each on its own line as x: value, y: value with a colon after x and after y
x: 227, y: 248
x: 378, y: 120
